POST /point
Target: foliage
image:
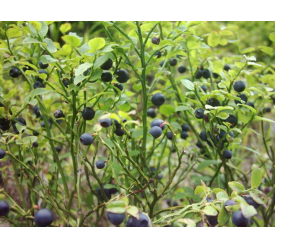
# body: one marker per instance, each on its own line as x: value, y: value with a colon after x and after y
x: 186, y: 165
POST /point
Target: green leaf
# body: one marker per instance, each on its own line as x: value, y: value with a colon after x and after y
x: 213, y: 39
x: 30, y: 40
x: 256, y: 176
x: 240, y: 64
x: 117, y: 206
x: 39, y: 91
x: 96, y: 44
x: 79, y: 79
x: 81, y: 68
x: 182, y: 108
x: 44, y: 29
x: 101, y: 60
x: 248, y: 210
x: 224, y: 216
x: 248, y: 50
x: 188, y: 84
x: 46, y: 59
x: 272, y: 36
x: 223, y: 115
x: 167, y: 109
x: 64, y: 28
x: 199, y: 190
x: 133, y: 211
x: 248, y: 107
x: 259, y: 197
x: 188, y: 222
x: 14, y: 32
x: 96, y: 75
x: 258, y: 118
x: 222, y: 196
x: 236, y: 186
x: 210, y: 211
x: 133, y: 153
x: 72, y: 39
x: 29, y: 139
x: 175, y: 125
x: 206, y: 163
x: 267, y: 50
x: 50, y: 45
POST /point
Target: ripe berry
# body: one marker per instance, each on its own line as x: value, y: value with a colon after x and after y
x: 162, y: 63
x: 106, y: 191
x: 20, y: 121
x: 199, y: 74
x: 86, y: 139
x: 267, y: 110
x: 88, y: 113
x: 117, y: 124
x: 227, y: 67
x: 157, y: 122
x: 155, y: 40
x: 239, y: 220
x: 227, y: 154
x: 212, y: 220
x: 151, y: 112
x: 35, y: 144
x: 213, y: 102
x: 158, y: 54
x: 38, y: 84
x: 58, y: 113
x: 66, y: 82
x: 239, y: 86
x: 43, y: 218
x: 35, y: 133
x: 158, y: 99
x: 14, y: 72
x: 143, y: 221
x: 250, y: 104
x: 115, y: 218
x: 223, y: 133
x: 107, y: 65
x: 2, y: 153
x: 36, y: 111
x: 105, y: 122
x: 184, y: 135
x: 181, y: 69
x: 173, y: 62
x: 4, y: 208
x: 170, y: 135
x: 185, y: 127
x: 250, y: 201
x: 43, y: 71
x: 123, y: 75
x: 119, y: 86
x: 204, y: 88
x: 155, y: 131
x: 86, y: 73
x: 119, y: 132
x: 232, y: 120
x: 203, y: 135
x: 243, y: 97
x: 106, y: 76
x: 215, y: 75
x: 206, y: 73
x: 199, y: 145
x: 100, y: 164
x: 199, y: 113
x: 43, y: 66
x: 229, y: 203
x: 58, y: 149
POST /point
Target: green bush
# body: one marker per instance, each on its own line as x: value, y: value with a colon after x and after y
x: 137, y: 123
